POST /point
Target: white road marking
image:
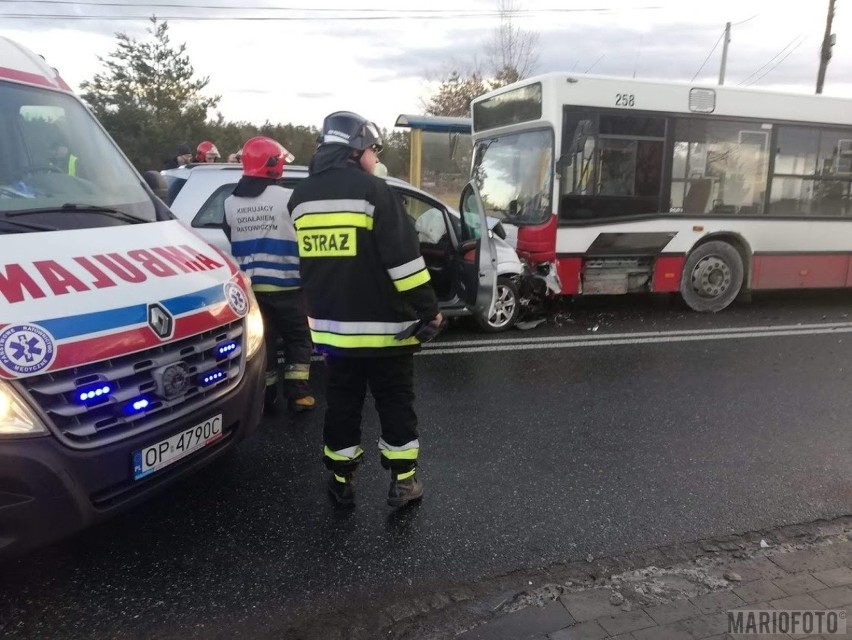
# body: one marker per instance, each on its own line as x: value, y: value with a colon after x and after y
x: 617, y: 339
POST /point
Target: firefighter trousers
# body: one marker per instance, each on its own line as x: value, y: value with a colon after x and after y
x: 391, y: 381
x: 285, y: 318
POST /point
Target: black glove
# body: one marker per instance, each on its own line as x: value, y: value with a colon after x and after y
x: 423, y: 330
x: 428, y: 331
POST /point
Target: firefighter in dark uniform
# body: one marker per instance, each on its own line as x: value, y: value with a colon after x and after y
x: 370, y: 303
x: 263, y: 242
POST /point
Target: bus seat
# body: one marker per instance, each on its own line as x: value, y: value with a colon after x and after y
x: 697, y: 195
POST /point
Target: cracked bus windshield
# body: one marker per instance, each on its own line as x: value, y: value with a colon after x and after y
x: 52, y: 153
x: 513, y: 173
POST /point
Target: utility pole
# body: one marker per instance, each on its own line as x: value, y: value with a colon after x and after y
x: 725, y: 52
x: 827, y: 43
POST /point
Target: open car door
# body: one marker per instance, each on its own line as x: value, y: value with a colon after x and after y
x: 475, y: 276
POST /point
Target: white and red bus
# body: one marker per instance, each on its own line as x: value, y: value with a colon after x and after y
x: 621, y: 186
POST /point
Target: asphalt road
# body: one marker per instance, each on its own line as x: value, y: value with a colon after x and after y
x: 538, y: 447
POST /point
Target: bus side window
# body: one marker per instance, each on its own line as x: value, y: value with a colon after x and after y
x: 719, y: 166
x: 813, y: 172
x: 613, y: 165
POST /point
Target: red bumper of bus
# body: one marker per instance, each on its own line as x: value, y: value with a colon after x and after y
x: 537, y: 243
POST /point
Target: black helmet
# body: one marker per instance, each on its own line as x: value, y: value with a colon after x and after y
x: 350, y: 130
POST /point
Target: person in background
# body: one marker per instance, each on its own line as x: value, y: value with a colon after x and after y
x: 182, y: 157
x: 62, y: 159
x: 206, y: 152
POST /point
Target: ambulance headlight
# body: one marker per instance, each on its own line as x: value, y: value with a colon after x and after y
x: 254, y: 325
x: 16, y: 419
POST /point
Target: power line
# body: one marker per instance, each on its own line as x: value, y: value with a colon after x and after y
x: 708, y: 55
x: 175, y: 18
x: 733, y: 25
x: 768, y: 62
x: 777, y: 63
x: 594, y: 64
x: 183, y: 5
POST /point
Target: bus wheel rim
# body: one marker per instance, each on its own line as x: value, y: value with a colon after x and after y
x: 711, y: 277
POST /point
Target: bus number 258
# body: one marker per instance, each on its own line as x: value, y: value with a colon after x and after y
x: 625, y: 99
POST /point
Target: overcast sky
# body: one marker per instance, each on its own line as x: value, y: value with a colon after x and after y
x: 320, y: 59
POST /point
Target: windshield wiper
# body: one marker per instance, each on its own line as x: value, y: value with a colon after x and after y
x: 82, y: 208
x: 26, y: 226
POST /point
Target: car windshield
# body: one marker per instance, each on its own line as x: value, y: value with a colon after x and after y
x: 55, y: 161
x: 513, y: 173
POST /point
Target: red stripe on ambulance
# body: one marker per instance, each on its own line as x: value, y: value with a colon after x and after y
x: 80, y: 352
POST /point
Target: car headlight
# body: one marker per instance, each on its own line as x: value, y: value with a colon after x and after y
x: 16, y: 419
x: 254, y: 322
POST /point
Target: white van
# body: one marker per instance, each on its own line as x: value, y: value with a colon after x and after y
x: 130, y: 350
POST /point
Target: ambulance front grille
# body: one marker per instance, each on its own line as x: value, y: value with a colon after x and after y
x: 136, y: 402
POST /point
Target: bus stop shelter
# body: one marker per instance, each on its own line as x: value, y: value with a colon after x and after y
x: 439, y: 153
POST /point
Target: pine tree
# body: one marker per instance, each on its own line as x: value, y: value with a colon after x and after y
x: 148, y: 97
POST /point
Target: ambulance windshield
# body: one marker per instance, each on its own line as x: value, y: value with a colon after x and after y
x: 52, y: 153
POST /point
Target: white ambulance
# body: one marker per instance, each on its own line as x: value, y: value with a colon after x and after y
x: 131, y: 352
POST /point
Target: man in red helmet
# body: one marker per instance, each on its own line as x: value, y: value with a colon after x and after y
x: 206, y: 152
x: 263, y: 242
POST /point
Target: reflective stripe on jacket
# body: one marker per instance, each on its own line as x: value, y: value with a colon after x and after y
x: 362, y: 272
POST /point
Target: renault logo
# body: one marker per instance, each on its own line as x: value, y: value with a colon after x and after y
x: 160, y: 321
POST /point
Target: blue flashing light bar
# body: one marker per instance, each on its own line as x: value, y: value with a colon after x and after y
x: 137, y: 405
x: 226, y: 348
x: 212, y: 377
x: 86, y: 395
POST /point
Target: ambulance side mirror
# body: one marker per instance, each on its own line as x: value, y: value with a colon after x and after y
x: 157, y: 183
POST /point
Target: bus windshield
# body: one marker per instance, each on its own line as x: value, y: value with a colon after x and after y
x: 514, y: 175
x: 54, y: 159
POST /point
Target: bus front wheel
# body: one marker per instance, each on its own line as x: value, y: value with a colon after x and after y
x: 712, y: 277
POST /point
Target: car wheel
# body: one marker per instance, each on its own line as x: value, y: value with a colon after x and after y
x: 712, y: 277
x: 506, y: 308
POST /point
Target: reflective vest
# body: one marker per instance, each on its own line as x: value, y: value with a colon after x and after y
x: 72, y: 165
x: 263, y: 241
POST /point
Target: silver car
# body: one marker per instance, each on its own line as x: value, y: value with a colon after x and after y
x: 197, y: 195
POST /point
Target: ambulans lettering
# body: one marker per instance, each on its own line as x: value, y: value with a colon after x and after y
x: 325, y: 243
x: 58, y: 278
x: 14, y: 281
x: 101, y: 280
x: 121, y: 267
x: 179, y: 259
x: 40, y: 278
x: 152, y: 264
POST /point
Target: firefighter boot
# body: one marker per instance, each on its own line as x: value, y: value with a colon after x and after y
x: 404, y: 489
x: 341, y: 489
x: 305, y: 403
x: 296, y: 387
x: 341, y: 483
